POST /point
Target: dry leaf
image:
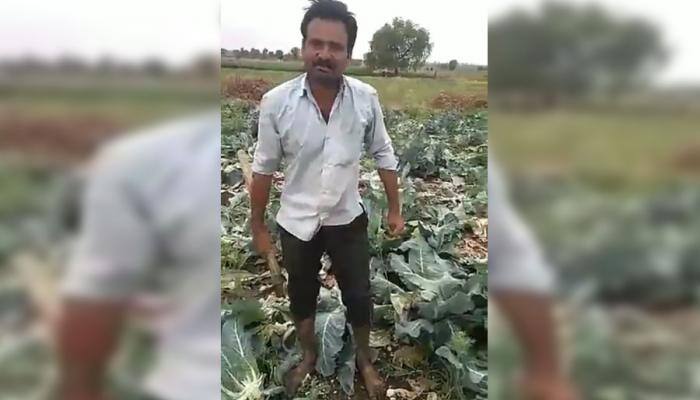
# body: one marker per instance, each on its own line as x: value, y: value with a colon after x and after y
x: 409, y: 356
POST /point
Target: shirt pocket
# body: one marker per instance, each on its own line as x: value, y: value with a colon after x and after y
x: 350, y: 138
x: 292, y: 133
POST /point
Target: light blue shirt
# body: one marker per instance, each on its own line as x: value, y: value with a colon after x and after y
x: 151, y: 233
x: 322, y: 159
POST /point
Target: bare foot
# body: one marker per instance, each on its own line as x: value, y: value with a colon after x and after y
x: 373, y: 382
x: 295, y: 377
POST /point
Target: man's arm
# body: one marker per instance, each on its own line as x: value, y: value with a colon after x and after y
x: 522, y: 285
x: 266, y: 161
x: 114, y: 253
x: 259, y: 197
x: 391, y: 187
x: 530, y: 316
x: 87, y: 336
x: 379, y: 146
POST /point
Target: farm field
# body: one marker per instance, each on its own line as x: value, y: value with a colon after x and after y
x: 50, y: 125
x: 69, y: 115
x: 612, y: 197
x: 395, y: 92
x: 429, y: 286
x: 353, y: 69
x: 620, y: 150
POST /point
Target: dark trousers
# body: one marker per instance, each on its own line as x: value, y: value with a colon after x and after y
x: 348, y: 248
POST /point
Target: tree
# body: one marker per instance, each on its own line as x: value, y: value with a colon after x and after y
x: 401, y: 45
x: 452, y: 65
x: 279, y: 54
x: 154, y: 66
x: 265, y: 53
x: 255, y: 53
x: 370, y: 60
x: 568, y: 50
x: 295, y: 53
x: 205, y: 65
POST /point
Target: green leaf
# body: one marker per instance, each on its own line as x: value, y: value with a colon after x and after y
x: 443, y: 333
x: 470, y: 376
x: 273, y: 391
x: 246, y: 311
x: 240, y: 376
x: 382, y: 288
x: 458, y: 304
x: 447, y: 354
x: 330, y: 327
x: 382, y: 314
x: 329, y: 299
x: 346, y: 372
x: 413, y: 328
x: 444, y: 286
x: 423, y: 259
x: 476, y: 376
x: 288, y: 362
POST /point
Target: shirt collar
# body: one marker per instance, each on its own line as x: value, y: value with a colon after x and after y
x: 304, y: 87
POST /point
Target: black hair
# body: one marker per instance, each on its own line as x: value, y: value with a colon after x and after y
x: 331, y: 10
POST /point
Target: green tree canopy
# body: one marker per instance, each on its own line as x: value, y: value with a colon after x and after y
x: 401, y: 45
x: 565, y: 49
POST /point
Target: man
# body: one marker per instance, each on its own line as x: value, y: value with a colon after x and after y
x: 150, y: 230
x: 521, y: 283
x: 319, y: 122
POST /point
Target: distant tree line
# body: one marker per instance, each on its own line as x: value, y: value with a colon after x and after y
x: 265, y: 54
x: 396, y: 47
x: 204, y: 65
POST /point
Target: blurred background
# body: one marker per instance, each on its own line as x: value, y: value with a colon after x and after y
x: 75, y: 75
x: 594, y: 118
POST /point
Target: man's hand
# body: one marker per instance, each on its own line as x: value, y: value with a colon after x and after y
x: 87, y: 335
x: 259, y: 195
x: 262, y: 240
x: 396, y: 223
x: 391, y: 187
x: 547, y: 387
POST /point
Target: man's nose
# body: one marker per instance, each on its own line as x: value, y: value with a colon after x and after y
x: 323, y: 53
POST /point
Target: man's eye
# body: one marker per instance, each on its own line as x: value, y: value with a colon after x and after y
x: 336, y: 47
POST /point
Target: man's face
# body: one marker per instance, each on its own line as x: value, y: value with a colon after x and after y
x: 325, y: 50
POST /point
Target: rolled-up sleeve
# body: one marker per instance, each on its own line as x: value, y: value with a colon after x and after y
x: 516, y: 262
x: 268, y: 152
x: 115, y: 251
x: 377, y: 139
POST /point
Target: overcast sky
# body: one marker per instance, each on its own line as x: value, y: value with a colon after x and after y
x: 677, y: 20
x: 131, y: 30
x: 459, y: 29
x: 178, y: 30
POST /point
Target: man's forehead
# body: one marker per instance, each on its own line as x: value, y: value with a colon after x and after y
x: 327, y: 30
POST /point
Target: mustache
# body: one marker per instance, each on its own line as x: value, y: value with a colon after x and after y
x: 323, y: 63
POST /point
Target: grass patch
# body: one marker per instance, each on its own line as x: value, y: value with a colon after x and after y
x: 615, y: 149
x: 397, y: 92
